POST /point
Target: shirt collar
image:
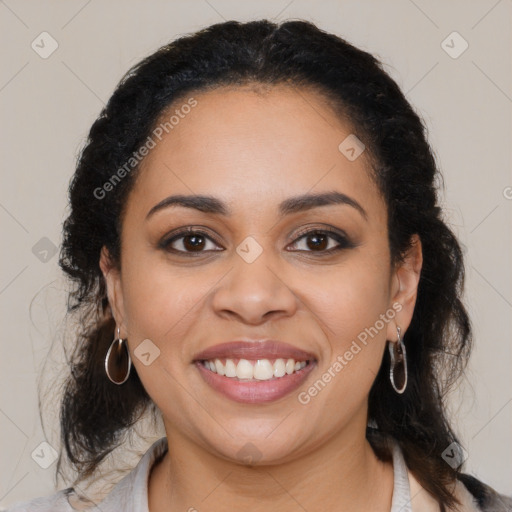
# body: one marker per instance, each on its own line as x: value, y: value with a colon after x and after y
x: 131, y: 493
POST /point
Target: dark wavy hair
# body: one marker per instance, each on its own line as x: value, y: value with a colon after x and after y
x: 95, y: 414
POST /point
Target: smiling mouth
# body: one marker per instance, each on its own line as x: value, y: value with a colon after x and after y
x: 254, y: 370
x: 253, y: 381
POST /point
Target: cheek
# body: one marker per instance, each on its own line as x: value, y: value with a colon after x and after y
x: 351, y: 312
x: 158, y: 299
x: 351, y: 298
x: 160, y: 306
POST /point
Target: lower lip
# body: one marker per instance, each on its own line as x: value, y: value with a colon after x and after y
x: 255, y: 391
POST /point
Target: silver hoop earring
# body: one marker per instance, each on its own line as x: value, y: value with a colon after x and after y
x: 118, y: 361
x: 398, y: 368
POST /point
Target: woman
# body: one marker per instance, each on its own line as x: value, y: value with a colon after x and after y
x: 259, y: 257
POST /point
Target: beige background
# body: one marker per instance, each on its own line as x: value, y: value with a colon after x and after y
x: 48, y: 105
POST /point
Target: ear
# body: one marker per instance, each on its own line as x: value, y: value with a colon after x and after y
x: 404, y: 288
x: 114, y: 290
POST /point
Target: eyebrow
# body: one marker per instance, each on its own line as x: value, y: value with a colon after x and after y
x: 296, y: 204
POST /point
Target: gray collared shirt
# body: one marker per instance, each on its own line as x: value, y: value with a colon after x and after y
x: 131, y: 494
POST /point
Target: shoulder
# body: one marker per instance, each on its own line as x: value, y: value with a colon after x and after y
x: 57, y: 502
x: 128, y: 495
x: 482, y: 495
x: 472, y: 494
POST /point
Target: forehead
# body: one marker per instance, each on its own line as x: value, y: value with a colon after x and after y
x: 250, y: 146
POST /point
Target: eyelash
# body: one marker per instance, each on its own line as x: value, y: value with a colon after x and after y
x: 342, y: 240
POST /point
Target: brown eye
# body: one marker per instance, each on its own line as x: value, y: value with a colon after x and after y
x: 322, y: 241
x: 189, y: 241
x: 318, y: 241
x: 193, y: 242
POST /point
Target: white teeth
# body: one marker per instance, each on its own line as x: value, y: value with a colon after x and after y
x: 230, y: 368
x: 219, y: 367
x: 279, y: 368
x: 262, y: 369
x: 244, y: 369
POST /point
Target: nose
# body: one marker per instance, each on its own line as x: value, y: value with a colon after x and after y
x: 253, y: 293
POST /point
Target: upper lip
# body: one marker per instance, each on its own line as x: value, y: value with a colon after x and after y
x: 258, y: 349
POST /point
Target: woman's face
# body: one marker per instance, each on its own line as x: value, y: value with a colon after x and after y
x: 253, y: 273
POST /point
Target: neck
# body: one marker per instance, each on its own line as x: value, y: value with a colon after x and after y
x: 341, y: 474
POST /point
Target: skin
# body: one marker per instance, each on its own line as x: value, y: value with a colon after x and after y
x: 253, y: 149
